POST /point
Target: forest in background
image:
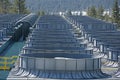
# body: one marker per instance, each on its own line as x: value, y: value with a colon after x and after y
x: 63, y: 5
x: 94, y: 8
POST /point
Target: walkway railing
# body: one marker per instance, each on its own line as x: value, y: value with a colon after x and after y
x: 7, y: 62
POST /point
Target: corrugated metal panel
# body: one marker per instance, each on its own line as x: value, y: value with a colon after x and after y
x: 71, y: 64
x: 39, y: 63
x: 49, y: 64
x: 81, y: 64
x: 24, y: 63
x: 31, y: 63
x: 60, y: 64
x: 89, y: 64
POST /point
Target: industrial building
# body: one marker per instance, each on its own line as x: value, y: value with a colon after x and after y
x: 63, y: 47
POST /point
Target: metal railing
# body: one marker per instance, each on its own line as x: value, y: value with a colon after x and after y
x: 7, y: 62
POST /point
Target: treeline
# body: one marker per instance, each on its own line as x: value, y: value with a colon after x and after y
x: 63, y: 5
x: 99, y: 13
x: 17, y: 6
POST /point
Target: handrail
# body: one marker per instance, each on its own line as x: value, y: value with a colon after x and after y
x: 6, y: 62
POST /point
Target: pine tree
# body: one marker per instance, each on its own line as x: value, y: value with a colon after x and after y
x: 100, y: 12
x: 106, y: 17
x: 69, y: 12
x: 5, y: 6
x: 92, y: 11
x: 19, y: 7
x: 88, y: 11
x: 41, y: 13
x: 115, y: 12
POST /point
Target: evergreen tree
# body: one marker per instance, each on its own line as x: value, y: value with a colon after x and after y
x: 5, y: 6
x: 69, y: 12
x: 88, y: 11
x: 19, y: 7
x: 100, y: 12
x: 106, y: 17
x: 115, y: 12
x: 41, y: 13
x: 92, y: 11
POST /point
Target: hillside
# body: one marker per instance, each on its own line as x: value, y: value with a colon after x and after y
x: 63, y: 5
